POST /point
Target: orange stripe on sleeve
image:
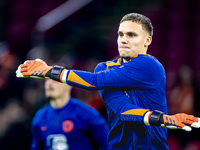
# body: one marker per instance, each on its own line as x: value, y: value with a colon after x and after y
x: 139, y: 112
x: 75, y: 78
x: 113, y: 63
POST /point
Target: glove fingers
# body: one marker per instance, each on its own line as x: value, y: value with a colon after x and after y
x: 18, y: 72
x: 37, y: 59
x: 195, y: 119
x: 19, y: 75
x: 192, y: 118
x: 23, y: 69
x: 196, y: 124
x: 23, y: 66
x: 192, y: 121
x: 18, y: 69
x: 27, y: 66
x: 187, y: 128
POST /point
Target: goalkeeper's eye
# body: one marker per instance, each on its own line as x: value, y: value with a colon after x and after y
x: 120, y: 34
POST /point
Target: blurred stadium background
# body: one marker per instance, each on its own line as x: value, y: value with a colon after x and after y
x: 82, y: 33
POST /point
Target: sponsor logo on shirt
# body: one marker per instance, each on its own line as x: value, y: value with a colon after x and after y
x: 57, y: 142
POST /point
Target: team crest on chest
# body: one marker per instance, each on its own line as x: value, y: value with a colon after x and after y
x: 67, y: 126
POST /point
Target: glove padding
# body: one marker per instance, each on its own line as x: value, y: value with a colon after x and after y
x: 33, y: 68
x: 181, y: 121
x: 177, y: 121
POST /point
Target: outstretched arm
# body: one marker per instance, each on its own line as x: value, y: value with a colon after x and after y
x: 122, y: 106
x: 40, y: 70
x: 133, y: 74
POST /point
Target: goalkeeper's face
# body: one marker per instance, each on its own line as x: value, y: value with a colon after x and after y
x: 56, y: 90
x: 132, y: 39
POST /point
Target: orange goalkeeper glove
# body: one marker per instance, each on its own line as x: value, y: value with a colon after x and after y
x: 38, y: 69
x: 177, y: 121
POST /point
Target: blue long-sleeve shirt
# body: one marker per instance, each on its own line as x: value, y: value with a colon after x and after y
x: 129, y: 91
x: 73, y: 127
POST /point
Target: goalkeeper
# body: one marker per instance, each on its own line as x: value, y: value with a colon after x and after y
x: 132, y: 87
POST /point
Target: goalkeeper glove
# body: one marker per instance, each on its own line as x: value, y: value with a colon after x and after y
x: 38, y: 69
x: 177, y: 121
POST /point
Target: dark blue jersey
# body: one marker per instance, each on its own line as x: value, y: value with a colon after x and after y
x: 72, y: 127
x: 129, y: 91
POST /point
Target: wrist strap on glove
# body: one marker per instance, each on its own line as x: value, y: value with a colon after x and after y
x: 156, y: 118
x: 55, y: 72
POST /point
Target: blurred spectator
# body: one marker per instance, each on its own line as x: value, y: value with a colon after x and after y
x: 10, y: 114
x: 8, y: 65
x: 182, y: 96
x: 67, y: 123
x: 33, y: 97
x: 182, y: 100
x: 13, y: 133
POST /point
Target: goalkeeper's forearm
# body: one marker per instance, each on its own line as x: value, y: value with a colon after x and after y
x: 39, y: 69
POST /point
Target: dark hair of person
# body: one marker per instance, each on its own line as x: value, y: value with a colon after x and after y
x: 141, y: 19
